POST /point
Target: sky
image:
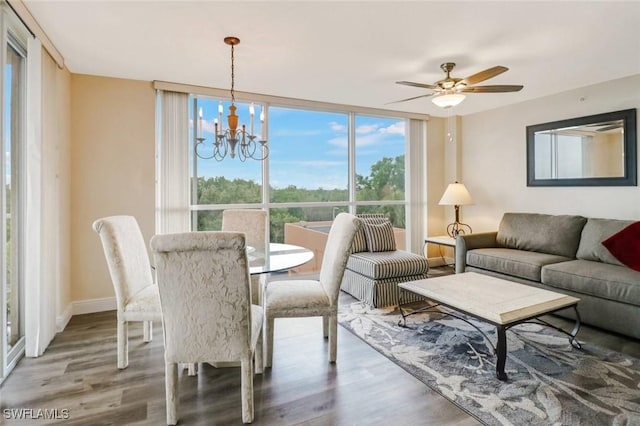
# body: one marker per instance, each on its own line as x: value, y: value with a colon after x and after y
x: 307, y: 149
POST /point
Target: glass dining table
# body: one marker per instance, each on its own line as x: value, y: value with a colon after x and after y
x: 279, y: 257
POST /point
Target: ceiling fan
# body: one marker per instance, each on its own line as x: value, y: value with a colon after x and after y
x: 449, y: 90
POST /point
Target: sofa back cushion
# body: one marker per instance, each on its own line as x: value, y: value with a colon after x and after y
x: 594, y: 233
x: 543, y: 233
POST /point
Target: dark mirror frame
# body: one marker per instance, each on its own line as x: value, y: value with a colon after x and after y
x: 630, y: 150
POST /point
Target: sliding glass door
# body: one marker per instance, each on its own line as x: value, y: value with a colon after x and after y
x: 13, y: 134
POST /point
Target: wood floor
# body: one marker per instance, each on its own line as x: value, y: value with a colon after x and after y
x: 78, y: 373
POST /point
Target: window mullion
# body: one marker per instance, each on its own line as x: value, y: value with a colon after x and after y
x: 352, y: 162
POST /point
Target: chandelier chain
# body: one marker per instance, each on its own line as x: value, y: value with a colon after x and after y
x: 233, y: 97
x: 234, y: 140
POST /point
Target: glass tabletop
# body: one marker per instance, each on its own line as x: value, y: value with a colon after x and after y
x: 280, y: 257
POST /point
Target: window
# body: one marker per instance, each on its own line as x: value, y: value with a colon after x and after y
x: 218, y: 183
x: 13, y: 133
x: 323, y: 159
x: 380, y: 167
x: 309, y: 158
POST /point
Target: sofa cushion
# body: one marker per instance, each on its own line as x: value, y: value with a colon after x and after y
x: 517, y: 263
x: 359, y: 240
x: 593, y: 234
x: 553, y: 234
x: 379, y: 236
x: 597, y: 279
x: 625, y: 246
x: 387, y: 264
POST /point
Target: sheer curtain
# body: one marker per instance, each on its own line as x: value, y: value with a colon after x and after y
x: 416, y: 184
x: 172, y: 162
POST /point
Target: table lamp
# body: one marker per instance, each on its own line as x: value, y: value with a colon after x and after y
x: 456, y: 195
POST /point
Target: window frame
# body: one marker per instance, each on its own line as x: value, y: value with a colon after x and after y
x: 415, y: 152
x: 15, y: 36
x: 351, y: 203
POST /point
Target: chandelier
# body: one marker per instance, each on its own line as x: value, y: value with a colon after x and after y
x: 233, y: 140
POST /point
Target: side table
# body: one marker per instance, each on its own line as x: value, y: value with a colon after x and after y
x: 442, y: 240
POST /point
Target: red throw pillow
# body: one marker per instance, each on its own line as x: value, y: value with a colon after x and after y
x: 625, y: 246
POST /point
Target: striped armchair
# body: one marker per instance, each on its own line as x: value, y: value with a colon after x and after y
x: 375, y: 267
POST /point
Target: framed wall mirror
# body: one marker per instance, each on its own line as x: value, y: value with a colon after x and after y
x: 597, y: 150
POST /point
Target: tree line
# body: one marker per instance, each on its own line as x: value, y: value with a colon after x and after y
x: 385, y: 182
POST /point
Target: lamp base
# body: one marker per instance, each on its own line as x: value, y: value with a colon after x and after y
x: 456, y: 228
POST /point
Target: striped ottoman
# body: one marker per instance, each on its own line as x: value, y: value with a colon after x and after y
x: 373, y: 277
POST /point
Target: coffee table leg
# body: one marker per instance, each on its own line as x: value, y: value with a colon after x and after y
x: 501, y: 352
x: 403, y: 321
x: 576, y: 328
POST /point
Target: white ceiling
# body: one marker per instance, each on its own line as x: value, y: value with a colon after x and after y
x: 350, y: 52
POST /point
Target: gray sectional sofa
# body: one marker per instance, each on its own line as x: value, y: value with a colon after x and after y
x: 561, y: 253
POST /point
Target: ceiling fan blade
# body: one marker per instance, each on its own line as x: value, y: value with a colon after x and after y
x: 483, y: 75
x: 410, y: 99
x: 424, y: 86
x: 493, y: 89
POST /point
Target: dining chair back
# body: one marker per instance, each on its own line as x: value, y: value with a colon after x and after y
x: 336, y: 255
x: 203, y: 279
x: 130, y: 271
x: 309, y: 298
x: 253, y: 222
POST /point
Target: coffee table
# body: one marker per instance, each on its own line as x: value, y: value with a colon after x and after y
x: 494, y: 300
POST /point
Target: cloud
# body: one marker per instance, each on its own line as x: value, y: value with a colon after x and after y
x: 207, y: 126
x: 366, y: 128
x: 394, y: 129
x: 337, y: 127
x: 340, y: 142
x: 310, y: 178
x: 381, y: 136
x: 312, y: 163
x: 295, y: 132
x: 368, y: 140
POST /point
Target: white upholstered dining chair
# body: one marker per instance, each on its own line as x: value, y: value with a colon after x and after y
x: 203, y: 279
x: 310, y: 298
x: 253, y: 222
x: 130, y: 270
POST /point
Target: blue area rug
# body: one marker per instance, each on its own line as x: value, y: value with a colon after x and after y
x: 550, y: 382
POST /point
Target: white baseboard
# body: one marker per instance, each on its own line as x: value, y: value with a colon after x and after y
x: 63, y: 319
x: 90, y: 306
x: 80, y: 307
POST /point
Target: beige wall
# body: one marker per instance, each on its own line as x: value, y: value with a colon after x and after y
x: 444, y: 167
x: 112, y: 170
x: 493, y: 158
x: 440, y: 162
x: 113, y: 165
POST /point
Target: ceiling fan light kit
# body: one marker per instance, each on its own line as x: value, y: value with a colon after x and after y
x: 448, y: 91
x: 448, y: 100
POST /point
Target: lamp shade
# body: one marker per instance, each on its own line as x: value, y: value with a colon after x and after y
x: 448, y: 100
x: 456, y: 195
